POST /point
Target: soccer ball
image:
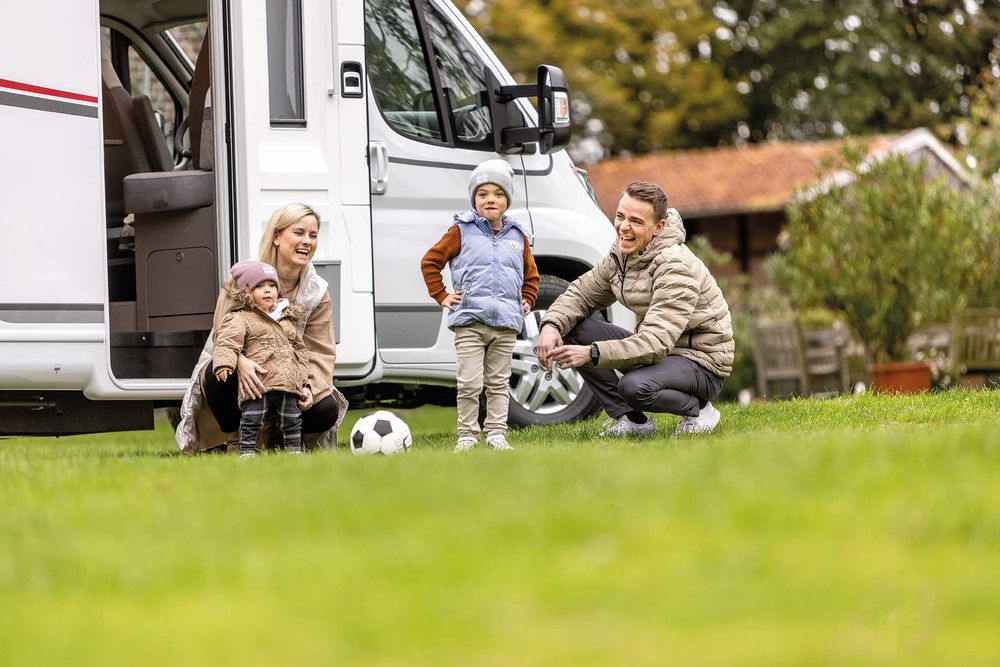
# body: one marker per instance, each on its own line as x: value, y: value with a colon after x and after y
x: 380, y: 433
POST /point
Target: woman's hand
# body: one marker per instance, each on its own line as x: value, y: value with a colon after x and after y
x: 249, y: 373
x: 305, y: 399
x: 452, y: 299
x: 525, y: 307
x: 222, y: 374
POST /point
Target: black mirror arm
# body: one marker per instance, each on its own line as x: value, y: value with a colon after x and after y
x: 506, y: 94
x: 510, y: 133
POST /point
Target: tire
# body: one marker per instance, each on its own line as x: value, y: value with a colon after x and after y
x: 535, y: 400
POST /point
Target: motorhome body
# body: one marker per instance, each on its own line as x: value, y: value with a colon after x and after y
x: 147, y: 144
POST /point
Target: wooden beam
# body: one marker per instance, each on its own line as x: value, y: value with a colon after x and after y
x: 744, y: 231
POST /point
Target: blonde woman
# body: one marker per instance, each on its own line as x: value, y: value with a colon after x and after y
x: 210, y: 412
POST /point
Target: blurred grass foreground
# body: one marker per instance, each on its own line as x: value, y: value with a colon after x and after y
x: 851, y: 531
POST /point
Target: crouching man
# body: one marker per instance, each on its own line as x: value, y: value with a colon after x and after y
x: 682, y: 347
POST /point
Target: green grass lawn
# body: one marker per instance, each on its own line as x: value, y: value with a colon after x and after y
x: 855, y: 531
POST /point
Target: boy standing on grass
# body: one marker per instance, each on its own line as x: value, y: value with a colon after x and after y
x: 495, y: 283
x: 262, y: 328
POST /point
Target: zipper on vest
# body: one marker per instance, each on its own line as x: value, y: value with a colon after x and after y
x: 496, y: 282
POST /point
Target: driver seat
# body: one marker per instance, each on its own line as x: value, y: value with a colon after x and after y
x: 161, y: 190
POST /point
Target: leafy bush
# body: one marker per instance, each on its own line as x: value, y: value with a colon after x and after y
x: 893, y: 251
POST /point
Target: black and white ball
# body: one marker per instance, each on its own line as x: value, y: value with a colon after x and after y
x: 380, y: 432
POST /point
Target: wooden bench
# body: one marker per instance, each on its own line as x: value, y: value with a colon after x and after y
x: 793, y: 362
x: 975, y: 346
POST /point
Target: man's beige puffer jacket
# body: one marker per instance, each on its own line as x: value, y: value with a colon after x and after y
x: 678, y: 305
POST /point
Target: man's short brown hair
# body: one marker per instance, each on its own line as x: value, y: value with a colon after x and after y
x: 652, y: 194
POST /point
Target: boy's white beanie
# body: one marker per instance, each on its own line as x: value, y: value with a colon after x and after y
x: 494, y: 171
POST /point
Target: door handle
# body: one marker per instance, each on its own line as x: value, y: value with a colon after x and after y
x: 378, y: 167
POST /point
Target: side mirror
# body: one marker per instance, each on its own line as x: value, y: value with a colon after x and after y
x: 555, y: 123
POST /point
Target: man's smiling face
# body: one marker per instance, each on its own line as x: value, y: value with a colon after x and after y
x: 635, y: 224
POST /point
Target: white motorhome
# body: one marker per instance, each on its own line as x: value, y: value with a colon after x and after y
x: 146, y: 142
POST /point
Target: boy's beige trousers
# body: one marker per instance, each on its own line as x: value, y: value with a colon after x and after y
x: 484, y: 355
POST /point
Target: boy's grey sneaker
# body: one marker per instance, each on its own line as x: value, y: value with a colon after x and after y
x: 625, y: 427
x: 706, y: 421
x: 498, y: 441
x: 465, y: 443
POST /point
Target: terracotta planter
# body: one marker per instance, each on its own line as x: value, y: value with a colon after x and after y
x: 901, y: 377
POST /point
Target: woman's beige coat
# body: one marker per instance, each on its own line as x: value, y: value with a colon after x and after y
x: 679, y: 306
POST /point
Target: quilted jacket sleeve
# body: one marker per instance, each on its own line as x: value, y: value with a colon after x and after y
x: 675, y: 290
x: 585, y: 295
x: 321, y: 348
x: 230, y: 337
x: 301, y: 358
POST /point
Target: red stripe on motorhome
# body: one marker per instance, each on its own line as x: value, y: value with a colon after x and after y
x: 42, y: 90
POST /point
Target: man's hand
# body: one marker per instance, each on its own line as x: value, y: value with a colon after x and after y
x: 222, y: 374
x: 305, y: 399
x: 250, y: 373
x: 549, y: 338
x: 571, y: 356
x: 525, y: 307
x: 452, y: 299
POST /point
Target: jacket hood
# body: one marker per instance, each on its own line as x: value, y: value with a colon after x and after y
x: 243, y: 300
x: 673, y: 232
x: 472, y: 217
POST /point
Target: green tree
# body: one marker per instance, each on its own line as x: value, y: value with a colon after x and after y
x: 653, y: 74
x: 979, y: 132
x: 892, y: 251
x: 642, y: 73
x: 808, y: 69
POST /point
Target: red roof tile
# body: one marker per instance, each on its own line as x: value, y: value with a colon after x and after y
x: 718, y: 181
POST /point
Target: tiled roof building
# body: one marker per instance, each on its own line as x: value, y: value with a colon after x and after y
x: 737, y: 196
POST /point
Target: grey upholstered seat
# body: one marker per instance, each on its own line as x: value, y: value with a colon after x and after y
x: 155, y: 192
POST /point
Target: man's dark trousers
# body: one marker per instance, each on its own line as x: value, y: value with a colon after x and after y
x: 674, y: 384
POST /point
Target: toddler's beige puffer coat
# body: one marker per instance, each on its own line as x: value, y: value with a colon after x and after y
x: 274, y: 344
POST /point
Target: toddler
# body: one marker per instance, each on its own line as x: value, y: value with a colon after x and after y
x: 263, y: 328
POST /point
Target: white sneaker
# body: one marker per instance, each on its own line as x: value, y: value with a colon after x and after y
x: 625, y: 427
x: 465, y: 443
x: 247, y: 455
x: 706, y: 421
x: 498, y: 441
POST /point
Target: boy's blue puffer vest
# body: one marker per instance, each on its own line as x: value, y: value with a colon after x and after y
x: 489, y: 271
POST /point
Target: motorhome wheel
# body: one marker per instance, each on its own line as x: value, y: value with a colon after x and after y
x: 538, y: 397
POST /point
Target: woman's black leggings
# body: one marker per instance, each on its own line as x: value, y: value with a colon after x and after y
x: 222, y: 399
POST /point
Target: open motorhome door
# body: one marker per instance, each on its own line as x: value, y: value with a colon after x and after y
x: 52, y: 303
x: 299, y: 133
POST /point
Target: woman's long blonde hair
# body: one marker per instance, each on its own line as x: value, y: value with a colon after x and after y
x: 284, y: 217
